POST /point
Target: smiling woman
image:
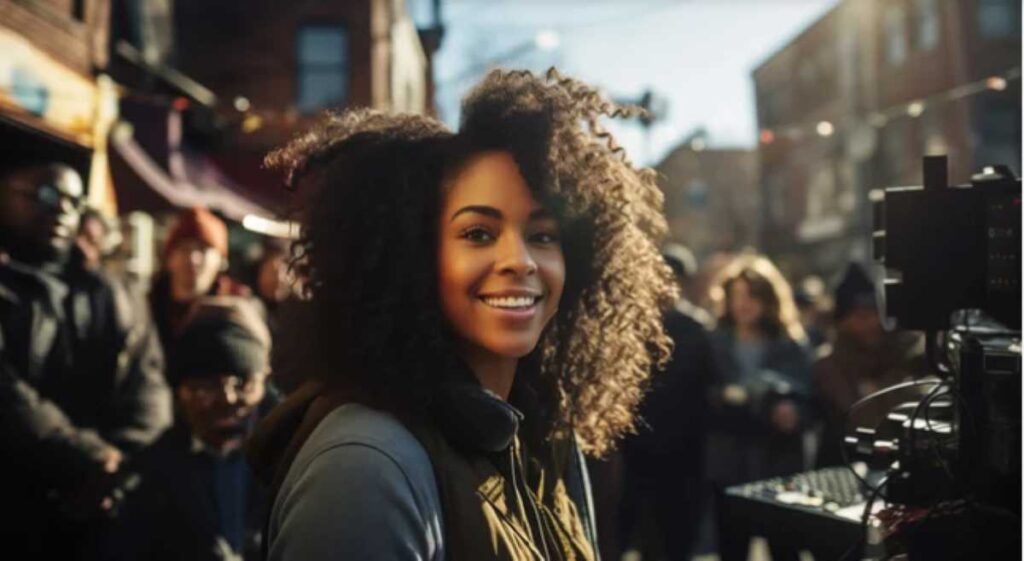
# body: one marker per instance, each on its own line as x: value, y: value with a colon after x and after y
x: 484, y: 306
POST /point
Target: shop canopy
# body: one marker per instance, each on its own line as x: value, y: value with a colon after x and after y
x: 154, y: 170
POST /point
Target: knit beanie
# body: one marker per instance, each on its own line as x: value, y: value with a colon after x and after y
x: 198, y: 223
x: 221, y: 335
x: 856, y: 291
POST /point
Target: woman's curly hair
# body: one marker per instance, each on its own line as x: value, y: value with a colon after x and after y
x: 780, y: 318
x: 368, y: 247
x: 367, y: 184
x: 608, y: 336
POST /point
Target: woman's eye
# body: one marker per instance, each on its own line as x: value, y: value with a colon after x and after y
x: 544, y: 238
x: 477, y: 235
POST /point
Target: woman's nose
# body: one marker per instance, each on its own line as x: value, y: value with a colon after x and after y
x: 515, y: 257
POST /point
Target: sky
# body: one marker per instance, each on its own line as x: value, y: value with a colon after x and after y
x: 695, y: 55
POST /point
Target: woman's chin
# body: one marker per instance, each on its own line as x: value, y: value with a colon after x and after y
x: 512, y: 349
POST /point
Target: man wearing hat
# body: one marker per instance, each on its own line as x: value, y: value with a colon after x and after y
x: 197, y: 499
x: 864, y: 358
x: 81, y: 375
x: 194, y: 259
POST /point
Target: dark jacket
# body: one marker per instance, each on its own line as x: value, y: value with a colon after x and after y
x: 80, y: 370
x: 173, y: 515
x: 501, y: 487
x: 744, y: 445
x: 663, y: 481
x: 673, y: 416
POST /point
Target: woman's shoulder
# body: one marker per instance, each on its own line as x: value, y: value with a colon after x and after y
x: 354, y: 424
x: 362, y: 485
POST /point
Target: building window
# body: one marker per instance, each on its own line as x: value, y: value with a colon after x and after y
x: 895, y: 35
x: 927, y: 24
x: 895, y: 151
x: 999, y: 19
x: 998, y: 130
x: 323, y: 64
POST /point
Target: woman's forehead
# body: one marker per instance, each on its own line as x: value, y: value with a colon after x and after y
x: 493, y: 179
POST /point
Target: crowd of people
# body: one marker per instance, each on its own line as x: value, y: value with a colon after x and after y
x: 758, y: 387
x: 123, y: 418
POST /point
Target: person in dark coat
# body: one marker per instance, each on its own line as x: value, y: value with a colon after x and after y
x: 761, y: 406
x: 196, y: 499
x: 864, y: 359
x: 665, y: 484
x: 81, y: 374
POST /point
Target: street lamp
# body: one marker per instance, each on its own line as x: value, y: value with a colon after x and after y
x: 547, y: 40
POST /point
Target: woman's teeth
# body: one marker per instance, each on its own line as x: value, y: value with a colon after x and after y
x: 511, y: 301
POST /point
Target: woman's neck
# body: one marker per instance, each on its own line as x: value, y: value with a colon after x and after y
x: 495, y: 373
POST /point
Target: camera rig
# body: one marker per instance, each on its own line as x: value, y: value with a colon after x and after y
x: 950, y: 445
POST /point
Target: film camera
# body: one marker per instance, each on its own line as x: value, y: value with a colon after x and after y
x: 950, y: 446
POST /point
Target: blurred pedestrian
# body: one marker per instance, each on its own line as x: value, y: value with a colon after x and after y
x: 811, y: 305
x: 273, y: 278
x: 81, y: 375
x: 487, y: 305
x: 665, y: 485
x: 194, y: 263
x: 762, y: 405
x: 97, y: 238
x: 197, y: 499
x: 864, y: 358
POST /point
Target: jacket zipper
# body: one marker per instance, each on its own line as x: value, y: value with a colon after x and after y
x: 521, y: 488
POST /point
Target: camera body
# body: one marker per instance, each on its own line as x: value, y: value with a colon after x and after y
x: 948, y: 248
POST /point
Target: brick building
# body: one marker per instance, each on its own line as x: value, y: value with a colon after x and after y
x: 711, y: 197
x: 292, y: 63
x: 213, y: 86
x: 855, y: 101
x: 276, y: 68
x: 53, y: 99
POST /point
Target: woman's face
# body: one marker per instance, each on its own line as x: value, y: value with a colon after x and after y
x: 500, y: 263
x: 745, y: 308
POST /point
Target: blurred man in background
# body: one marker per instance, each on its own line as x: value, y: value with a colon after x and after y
x: 278, y: 290
x: 864, y: 358
x: 811, y: 303
x: 97, y: 238
x: 81, y: 378
x: 665, y: 488
x: 197, y: 500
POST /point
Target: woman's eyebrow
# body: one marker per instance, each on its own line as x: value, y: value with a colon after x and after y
x: 479, y: 209
x: 541, y: 214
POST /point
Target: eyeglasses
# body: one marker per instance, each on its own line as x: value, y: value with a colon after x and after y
x: 209, y: 390
x: 50, y: 196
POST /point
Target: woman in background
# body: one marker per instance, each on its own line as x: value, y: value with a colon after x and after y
x: 761, y: 402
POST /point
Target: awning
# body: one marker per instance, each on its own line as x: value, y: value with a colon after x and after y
x: 155, y: 171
